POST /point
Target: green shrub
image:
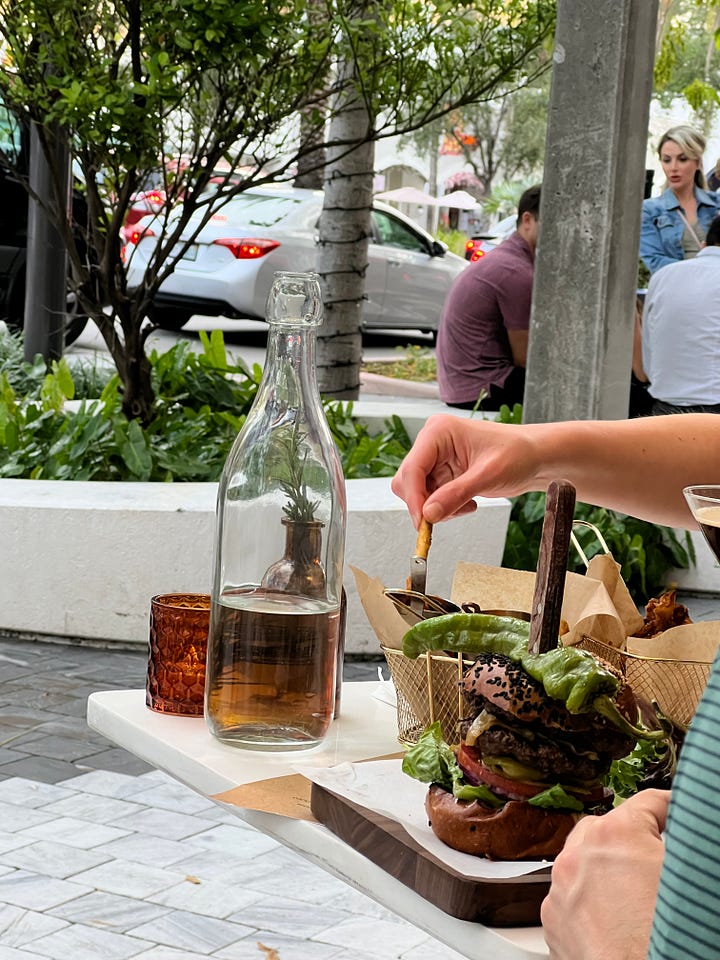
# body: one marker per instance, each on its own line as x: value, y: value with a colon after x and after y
x: 203, y: 399
x: 415, y: 362
x: 645, y: 551
x: 455, y: 239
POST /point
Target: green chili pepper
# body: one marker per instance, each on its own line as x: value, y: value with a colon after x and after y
x: 578, y: 679
x: 608, y: 708
x: 471, y: 633
x: 568, y: 674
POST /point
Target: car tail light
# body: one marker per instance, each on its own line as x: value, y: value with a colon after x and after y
x: 155, y: 197
x: 477, y: 255
x: 248, y: 248
x: 470, y: 246
x: 135, y: 236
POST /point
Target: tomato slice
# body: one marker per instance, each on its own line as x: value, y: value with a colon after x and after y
x: 470, y: 761
x: 472, y: 766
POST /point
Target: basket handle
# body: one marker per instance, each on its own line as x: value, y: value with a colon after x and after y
x: 576, y: 543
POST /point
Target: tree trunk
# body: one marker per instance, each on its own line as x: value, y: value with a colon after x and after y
x: 344, y: 236
x: 131, y: 361
x: 138, y: 395
x: 310, y: 172
x: 310, y: 165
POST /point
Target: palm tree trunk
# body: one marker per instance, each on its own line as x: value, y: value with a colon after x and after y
x: 344, y: 235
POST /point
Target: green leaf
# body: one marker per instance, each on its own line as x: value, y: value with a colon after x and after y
x: 626, y: 774
x: 136, y: 452
x: 556, y: 798
x: 64, y: 378
x: 431, y: 760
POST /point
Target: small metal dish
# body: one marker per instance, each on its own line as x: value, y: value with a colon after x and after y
x: 432, y: 606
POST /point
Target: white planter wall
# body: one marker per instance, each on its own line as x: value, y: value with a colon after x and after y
x: 82, y: 559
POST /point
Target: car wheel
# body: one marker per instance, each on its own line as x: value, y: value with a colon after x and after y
x: 74, y: 328
x: 169, y: 318
x: 75, y: 322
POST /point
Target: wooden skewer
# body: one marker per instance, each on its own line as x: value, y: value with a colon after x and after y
x: 552, y: 567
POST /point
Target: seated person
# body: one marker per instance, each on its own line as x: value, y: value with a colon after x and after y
x: 681, y: 332
x: 482, y: 339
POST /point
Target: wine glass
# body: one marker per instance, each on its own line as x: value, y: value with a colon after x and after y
x: 704, y: 501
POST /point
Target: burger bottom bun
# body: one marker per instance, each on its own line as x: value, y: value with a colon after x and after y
x: 516, y: 831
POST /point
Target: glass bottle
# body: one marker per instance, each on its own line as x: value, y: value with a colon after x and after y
x: 279, y: 547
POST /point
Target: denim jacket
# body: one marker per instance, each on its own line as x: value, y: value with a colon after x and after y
x: 662, y: 226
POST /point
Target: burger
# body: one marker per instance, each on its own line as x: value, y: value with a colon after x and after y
x: 529, y: 763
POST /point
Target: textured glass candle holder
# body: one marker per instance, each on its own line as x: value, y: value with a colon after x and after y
x: 179, y: 624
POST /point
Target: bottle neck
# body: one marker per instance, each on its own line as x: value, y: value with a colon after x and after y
x: 289, y: 374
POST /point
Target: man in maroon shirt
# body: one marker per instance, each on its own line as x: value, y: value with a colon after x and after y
x: 483, y: 335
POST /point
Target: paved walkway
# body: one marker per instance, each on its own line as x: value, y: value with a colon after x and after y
x: 104, y: 858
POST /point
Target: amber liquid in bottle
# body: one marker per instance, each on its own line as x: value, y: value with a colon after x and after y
x: 273, y: 686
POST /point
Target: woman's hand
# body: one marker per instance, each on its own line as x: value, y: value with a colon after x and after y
x: 454, y: 459
x: 605, y: 881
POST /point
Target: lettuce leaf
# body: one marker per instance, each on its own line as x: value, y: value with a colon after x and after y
x: 627, y: 774
x: 556, y: 798
x: 431, y: 760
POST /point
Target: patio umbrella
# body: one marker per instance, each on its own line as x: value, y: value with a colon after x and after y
x: 407, y: 195
x: 458, y: 200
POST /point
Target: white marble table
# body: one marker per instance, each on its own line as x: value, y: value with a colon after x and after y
x: 185, y: 749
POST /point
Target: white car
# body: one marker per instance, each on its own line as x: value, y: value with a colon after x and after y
x: 229, y: 269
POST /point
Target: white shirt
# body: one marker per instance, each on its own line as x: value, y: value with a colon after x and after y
x: 681, y: 331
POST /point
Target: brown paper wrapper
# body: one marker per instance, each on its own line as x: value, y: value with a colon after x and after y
x: 287, y: 796
x: 587, y: 607
x: 604, y: 568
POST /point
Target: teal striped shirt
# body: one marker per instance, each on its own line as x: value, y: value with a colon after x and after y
x: 687, y: 915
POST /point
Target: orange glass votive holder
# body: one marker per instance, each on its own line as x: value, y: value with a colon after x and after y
x: 179, y: 625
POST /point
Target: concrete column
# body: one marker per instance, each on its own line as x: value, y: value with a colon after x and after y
x: 580, y: 352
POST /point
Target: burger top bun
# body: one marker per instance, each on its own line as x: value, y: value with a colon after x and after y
x: 516, y: 831
x: 502, y: 686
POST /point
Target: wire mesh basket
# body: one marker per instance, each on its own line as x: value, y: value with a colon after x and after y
x: 427, y: 690
x: 675, y: 685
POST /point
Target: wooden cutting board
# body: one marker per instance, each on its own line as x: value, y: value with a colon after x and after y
x: 506, y: 902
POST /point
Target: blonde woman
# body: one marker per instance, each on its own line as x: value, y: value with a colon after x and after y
x: 675, y: 223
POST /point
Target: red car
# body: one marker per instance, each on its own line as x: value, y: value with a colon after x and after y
x: 141, y: 204
x: 482, y: 243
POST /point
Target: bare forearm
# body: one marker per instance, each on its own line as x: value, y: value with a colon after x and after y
x: 638, y: 466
